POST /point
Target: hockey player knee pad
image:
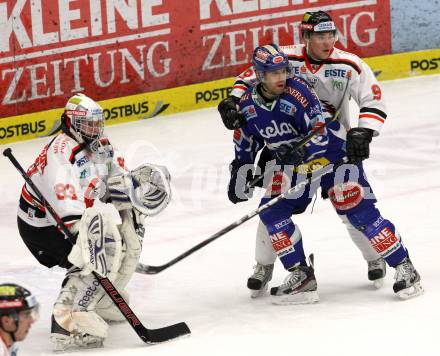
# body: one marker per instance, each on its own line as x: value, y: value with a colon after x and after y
x: 286, y: 240
x: 361, y: 219
x: 382, y: 234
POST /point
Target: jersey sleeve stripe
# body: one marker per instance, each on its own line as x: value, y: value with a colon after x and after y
x: 31, y: 199
x: 241, y: 87
x: 374, y: 111
x: 371, y: 116
x: 75, y: 151
x: 70, y: 219
x: 292, y: 57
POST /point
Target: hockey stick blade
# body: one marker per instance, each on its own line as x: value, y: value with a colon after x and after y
x: 167, y: 333
x: 149, y: 336
x: 145, y: 269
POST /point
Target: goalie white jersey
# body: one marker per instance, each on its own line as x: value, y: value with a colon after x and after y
x: 329, y: 78
x: 70, y: 178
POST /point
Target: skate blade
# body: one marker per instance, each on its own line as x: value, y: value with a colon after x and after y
x: 64, y: 345
x: 411, y: 292
x: 298, y: 298
x: 259, y: 292
x: 378, y: 283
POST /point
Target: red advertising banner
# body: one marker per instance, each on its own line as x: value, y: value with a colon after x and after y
x: 50, y: 49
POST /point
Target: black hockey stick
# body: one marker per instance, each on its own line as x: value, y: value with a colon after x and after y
x: 146, y: 269
x: 149, y: 336
x: 307, y: 138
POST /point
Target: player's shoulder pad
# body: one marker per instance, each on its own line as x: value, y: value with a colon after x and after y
x: 247, y: 105
x: 64, y: 148
x: 340, y: 56
x: 299, y: 91
x: 295, y: 81
x: 292, y: 49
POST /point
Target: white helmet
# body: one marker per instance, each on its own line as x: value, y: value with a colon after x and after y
x: 83, y: 118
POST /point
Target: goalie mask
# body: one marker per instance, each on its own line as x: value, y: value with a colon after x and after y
x: 83, y: 119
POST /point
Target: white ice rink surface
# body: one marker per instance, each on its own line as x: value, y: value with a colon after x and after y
x: 208, y: 289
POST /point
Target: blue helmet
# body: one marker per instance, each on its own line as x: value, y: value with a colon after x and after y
x: 268, y: 58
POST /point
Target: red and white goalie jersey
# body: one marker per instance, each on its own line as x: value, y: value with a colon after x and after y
x: 329, y: 79
x: 70, y: 178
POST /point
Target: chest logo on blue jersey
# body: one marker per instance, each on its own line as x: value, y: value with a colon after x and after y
x: 287, y: 107
x: 249, y: 112
x: 276, y: 129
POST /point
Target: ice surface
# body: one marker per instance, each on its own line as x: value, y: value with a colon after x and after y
x: 208, y: 289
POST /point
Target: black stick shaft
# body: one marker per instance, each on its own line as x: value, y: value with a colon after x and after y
x: 146, y: 269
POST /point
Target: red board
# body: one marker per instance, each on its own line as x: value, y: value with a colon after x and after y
x: 50, y: 49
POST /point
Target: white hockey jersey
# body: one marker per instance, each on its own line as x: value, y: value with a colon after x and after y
x: 4, y: 351
x: 329, y: 79
x: 70, y: 178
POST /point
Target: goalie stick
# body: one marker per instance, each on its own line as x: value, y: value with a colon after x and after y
x: 146, y: 269
x: 149, y: 336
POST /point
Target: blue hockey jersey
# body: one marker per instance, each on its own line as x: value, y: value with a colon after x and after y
x: 294, y: 114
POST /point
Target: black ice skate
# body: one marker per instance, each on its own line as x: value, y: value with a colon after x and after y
x: 258, y: 282
x: 407, y: 283
x: 377, y: 271
x: 299, y: 287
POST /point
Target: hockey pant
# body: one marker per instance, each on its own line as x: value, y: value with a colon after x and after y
x: 353, y: 200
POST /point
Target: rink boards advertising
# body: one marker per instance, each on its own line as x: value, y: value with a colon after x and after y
x: 113, y: 50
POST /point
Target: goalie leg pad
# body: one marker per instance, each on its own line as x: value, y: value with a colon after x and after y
x: 107, y: 309
x: 74, y: 323
x: 133, y: 247
x: 98, y: 246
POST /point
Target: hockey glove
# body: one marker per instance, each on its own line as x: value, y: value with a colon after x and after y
x: 241, y: 175
x: 232, y: 118
x: 289, y: 154
x: 358, y: 144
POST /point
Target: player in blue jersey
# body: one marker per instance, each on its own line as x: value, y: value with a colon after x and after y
x: 279, y: 111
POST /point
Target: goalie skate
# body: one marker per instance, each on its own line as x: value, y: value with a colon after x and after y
x: 377, y: 272
x: 64, y: 341
x: 407, y: 283
x: 299, y: 287
x: 258, y: 282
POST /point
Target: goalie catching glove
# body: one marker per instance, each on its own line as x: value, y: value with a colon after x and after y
x: 146, y: 189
